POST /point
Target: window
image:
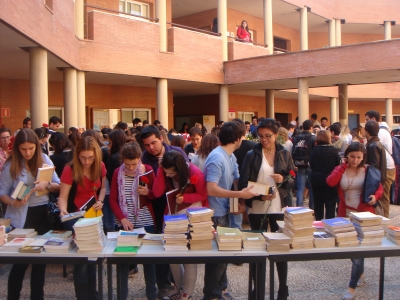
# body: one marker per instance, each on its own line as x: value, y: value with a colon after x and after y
x: 280, y: 43
x: 128, y: 114
x: 134, y: 8
x: 58, y: 112
x: 245, y: 115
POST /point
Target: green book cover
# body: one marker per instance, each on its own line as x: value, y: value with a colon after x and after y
x: 126, y: 249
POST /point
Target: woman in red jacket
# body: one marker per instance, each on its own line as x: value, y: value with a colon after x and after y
x: 349, y: 179
x: 243, y: 33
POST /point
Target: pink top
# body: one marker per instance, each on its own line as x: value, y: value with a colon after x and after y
x: 243, y: 34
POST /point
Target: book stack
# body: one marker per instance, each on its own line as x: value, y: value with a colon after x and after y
x: 342, y: 230
x: 229, y: 238
x: 253, y: 241
x: 393, y: 234
x: 60, y: 234
x: 128, y: 242
x: 298, y: 226
x: 200, y: 228
x: 175, y: 232
x: 59, y: 245
x: 36, y: 246
x: 152, y: 239
x: 16, y: 244
x: 3, y: 235
x: 385, y: 223
x: 277, y: 241
x: 89, y: 235
x: 21, y: 233
x: 323, y: 240
x: 368, y: 227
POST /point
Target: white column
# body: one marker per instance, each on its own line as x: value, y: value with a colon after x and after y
x: 161, y: 14
x: 81, y: 98
x: 388, y: 30
x: 389, y: 113
x: 334, y: 111
x: 303, y: 28
x: 223, y: 27
x: 70, y: 99
x: 338, y: 32
x: 223, y: 102
x: 270, y: 99
x: 303, y: 100
x: 162, y: 101
x: 268, y: 31
x: 39, y: 105
x: 343, y: 104
x: 79, y: 19
x: 332, y: 33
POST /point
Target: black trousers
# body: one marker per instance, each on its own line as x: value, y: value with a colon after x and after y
x: 324, y: 198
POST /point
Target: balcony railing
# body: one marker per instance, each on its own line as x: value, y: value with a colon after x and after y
x: 243, y: 41
x: 193, y: 29
x: 121, y: 13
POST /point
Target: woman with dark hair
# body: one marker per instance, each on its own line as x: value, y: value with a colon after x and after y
x: 175, y: 173
x: 208, y: 144
x: 184, y: 129
x: 214, y: 27
x: 323, y: 159
x: 178, y: 141
x: 72, y: 129
x: 349, y: 178
x: 5, y: 140
x: 62, y: 151
x: 31, y: 211
x: 74, y: 138
x: 87, y: 174
x: 243, y: 33
x: 43, y: 134
x: 268, y: 163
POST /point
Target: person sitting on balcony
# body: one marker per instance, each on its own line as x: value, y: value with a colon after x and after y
x: 243, y: 33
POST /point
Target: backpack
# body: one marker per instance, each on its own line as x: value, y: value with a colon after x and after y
x: 395, y: 148
x: 301, y: 151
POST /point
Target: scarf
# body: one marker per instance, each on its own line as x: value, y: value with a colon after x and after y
x: 121, y: 190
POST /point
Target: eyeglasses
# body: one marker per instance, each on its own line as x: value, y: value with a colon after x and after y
x: 86, y: 158
x: 5, y: 138
x: 267, y: 136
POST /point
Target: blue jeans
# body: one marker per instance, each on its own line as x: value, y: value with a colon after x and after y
x: 301, y: 179
x: 235, y: 221
x: 356, y: 270
x: 108, y: 216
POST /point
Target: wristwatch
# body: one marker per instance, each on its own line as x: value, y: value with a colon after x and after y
x: 49, y: 186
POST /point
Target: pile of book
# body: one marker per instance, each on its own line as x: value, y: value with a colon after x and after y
x: 277, y: 241
x: 21, y: 233
x: 385, y: 223
x: 323, y: 239
x: 89, y: 235
x: 58, y: 241
x: 368, y: 227
x: 298, y: 226
x: 253, y: 241
x: 175, y: 232
x: 393, y: 234
x: 229, y: 238
x: 200, y: 228
x: 342, y: 230
x: 3, y: 235
x: 152, y: 239
x: 15, y: 244
x: 36, y: 246
x: 128, y: 242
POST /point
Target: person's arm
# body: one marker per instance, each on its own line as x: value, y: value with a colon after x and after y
x: 214, y: 190
x: 336, y: 175
x: 63, y: 198
x: 245, y: 174
x: 114, y: 197
x: 200, y: 193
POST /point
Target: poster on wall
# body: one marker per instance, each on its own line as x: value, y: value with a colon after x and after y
x: 232, y: 114
x: 209, y: 122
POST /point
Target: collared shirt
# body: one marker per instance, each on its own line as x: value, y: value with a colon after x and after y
x: 152, y: 160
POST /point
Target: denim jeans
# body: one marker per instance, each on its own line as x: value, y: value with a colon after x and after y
x: 108, y: 215
x: 235, y: 221
x: 215, y: 279
x: 356, y: 270
x: 301, y: 179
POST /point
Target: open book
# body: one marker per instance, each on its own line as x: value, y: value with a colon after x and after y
x: 44, y: 173
x: 85, y: 211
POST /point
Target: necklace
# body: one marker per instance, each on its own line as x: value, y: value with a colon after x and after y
x: 269, y: 151
x: 350, y: 181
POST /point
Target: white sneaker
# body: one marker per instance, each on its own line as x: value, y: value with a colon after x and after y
x: 348, y: 296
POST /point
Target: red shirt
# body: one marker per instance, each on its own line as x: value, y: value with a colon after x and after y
x: 85, y: 192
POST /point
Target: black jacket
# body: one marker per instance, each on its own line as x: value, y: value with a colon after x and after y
x: 323, y: 160
x: 376, y: 156
x: 252, y: 164
x: 304, y: 135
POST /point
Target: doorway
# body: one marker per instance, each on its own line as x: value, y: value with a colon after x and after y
x: 282, y: 118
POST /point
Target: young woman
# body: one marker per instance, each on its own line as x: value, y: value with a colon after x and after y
x: 5, y: 139
x: 30, y: 212
x: 43, y: 134
x: 349, y: 179
x: 175, y: 173
x: 243, y: 33
x: 87, y: 173
x: 62, y: 151
x: 208, y: 144
x: 268, y: 163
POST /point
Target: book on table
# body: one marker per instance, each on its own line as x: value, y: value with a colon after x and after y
x: 152, y: 239
x: 277, y: 238
x: 132, y: 250
x: 62, y: 234
x: 228, y: 245
x: 59, y: 245
x: 21, y: 233
x: 199, y: 214
x: 365, y: 218
x: 15, y: 244
x: 253, y: 241
x: 86, y: 210
x: 278, y: 247
x: 226, y: 233
x: 21, y: 190
x: 297, y: 231
x: 31, y: 249
x: 44, y: 173
x: 323, y: 240
x: 200, y: 244
x: 337, y: 224
x: 89, y: 235
x: 298, y: 213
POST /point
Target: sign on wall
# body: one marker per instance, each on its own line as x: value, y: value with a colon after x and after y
x: 5, y: 112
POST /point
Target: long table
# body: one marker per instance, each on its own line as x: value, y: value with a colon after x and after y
x: 387, y: 249
x: 155, y: 254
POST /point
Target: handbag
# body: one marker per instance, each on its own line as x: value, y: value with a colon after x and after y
x: 371, y: 183
x: 53, y: 213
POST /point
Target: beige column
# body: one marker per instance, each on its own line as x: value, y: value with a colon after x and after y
x: 303, y: 28
x: 79, y: 19
x: 338, y: 32
x: 270, y: 99
x: 162, y: 101
x: 388, y: 30
x: 223, y: 102
x: 334, y: 111
x: 389, y: 112
x: 303, y: 100
x: 39, y: 105
x: 81, y: 98
x: 343, y: 104
x: 268, y: 31
x: 70, y: 99
x: 161, y: 14
x: 223, y: 27
x: 332, y: 33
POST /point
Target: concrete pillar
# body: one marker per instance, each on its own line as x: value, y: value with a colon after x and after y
x: 343, y: 104
x: 81, y: 98
x: 39, y: 105
x: 388, y: 30
x: 334, y: 110
x: 161, y: 14
x: 223, y: 102
x: 303, y: 28
x: 79, y: 19
x: 70, y: 99
x: 162, y: 101
x: 268, y: 31
x: 332, y: 33
x: 338, y: 32
x: 303, y: 100
x: 389, y: 113
x: 269, y: 98
x: 223, y: 26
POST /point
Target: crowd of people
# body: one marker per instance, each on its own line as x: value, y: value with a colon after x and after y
x: 329, y: 161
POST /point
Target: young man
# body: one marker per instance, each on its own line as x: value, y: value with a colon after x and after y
x: 26, y: 123
x: 221, y: 172
x: 324, y: 123
x: 253, y: 126
x: 195, y: 142
x: 136, y: 122
x: 314, y: 119
x: 54, y: 123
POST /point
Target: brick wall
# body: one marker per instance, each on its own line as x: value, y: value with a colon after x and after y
x: 238, y: 50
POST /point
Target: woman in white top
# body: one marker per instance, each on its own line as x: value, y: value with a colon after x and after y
x: 208, y: 144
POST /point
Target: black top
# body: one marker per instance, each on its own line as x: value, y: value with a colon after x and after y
x: 60, y: 160
x: 240, y: 153
x: 323, y: 159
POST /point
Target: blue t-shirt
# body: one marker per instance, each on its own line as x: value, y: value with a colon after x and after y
x: 223, y: 170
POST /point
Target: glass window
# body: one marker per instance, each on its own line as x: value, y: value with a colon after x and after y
x: 245, y: 115
x: 134, y: 8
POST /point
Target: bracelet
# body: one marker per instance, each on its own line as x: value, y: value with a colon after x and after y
x: 12, y: 204
x: 49, y: 185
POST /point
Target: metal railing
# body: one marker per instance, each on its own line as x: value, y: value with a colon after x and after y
x: 243, y: 41
x: 119, y: 12
x: 193, y: 29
